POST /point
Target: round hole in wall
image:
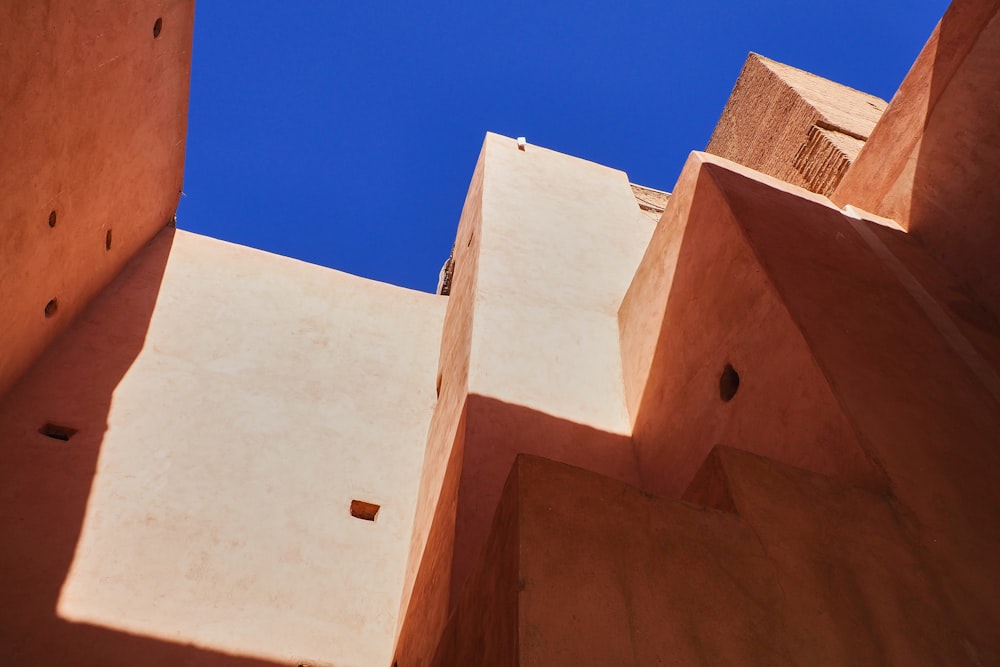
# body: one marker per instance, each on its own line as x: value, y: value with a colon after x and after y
x: 52, y: 219
x: 51, y: 307
x: 107, y: 240
x: 157, y: 27
x: 729, y: 383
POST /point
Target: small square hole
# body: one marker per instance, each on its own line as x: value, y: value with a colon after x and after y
x: 57, y: 432
x: 362, y: 510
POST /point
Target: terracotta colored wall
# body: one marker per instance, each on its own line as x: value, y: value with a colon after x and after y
x: 230, y: 404
x: 560, y: 239
x: 703, y: 299
x: 227, y: 405
x: 802, y: 571
x: 93, y: 118
x: 545, y: 249
x: 932, y: 162
x: 484, y: 628
x: 793, y: 125
x: 427, y: 586
x: 918, y: 399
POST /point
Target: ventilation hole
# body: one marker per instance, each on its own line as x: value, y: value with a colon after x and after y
x: 729, y: 383
x: 107, y: 240
x: 52, y: 219
x: 439, y: 385
x: 157, y: 27
x: 362, y: 510
x: 51, y: 307
x: 57, y: 432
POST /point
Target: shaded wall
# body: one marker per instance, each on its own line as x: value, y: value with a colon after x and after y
x: 855, y: 369
x: 227, y: 414
x: 932, y: 163
x: 93, y: 119
x: 545, y: 249
x: 582, y: 569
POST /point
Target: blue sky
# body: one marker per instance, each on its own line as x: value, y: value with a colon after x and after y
x: 345, y: 133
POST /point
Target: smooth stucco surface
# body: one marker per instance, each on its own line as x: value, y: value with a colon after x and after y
x: 560, y: 240
x: 545, y: 250
x: 932, y: 163
x: 93, y: 119
x: 220, y: 408
x: 262, y: 395
x: 584, y: 570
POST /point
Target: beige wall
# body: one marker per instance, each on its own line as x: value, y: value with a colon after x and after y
x: 560, y: 240
x: 227, y: 405
x: 530, y: 359
x: 230, y: 405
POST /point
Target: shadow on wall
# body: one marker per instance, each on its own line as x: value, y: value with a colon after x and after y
x: 496, y: 433
x: 490, y: 436
x: 954, y: 199
x: 731, y: 363
x: 45, y: 480
x: 429, y: 604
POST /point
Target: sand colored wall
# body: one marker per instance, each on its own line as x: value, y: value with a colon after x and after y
x: 93, y: 119
x: 225, y: 406
x: 230, y: 404
x: 545, y: 249
x: 793, y: 125
x: 932, y: 162
x: 560, y: 240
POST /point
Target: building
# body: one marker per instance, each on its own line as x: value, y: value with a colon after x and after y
x: 756, y: 421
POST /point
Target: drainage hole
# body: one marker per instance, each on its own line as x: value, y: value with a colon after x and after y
x: 157, y: 27
x: 51, y: 307
x: 107, y: 240
x: 57, y: 432
x: 52, y: 219
x: 362, y: 510
x: 729, y: 383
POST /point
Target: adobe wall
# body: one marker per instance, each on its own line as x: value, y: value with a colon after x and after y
x: 545, y: 250
x: 228, y: 406
x: 702, y: 301
x: 582, y: 569
x: 857, y: 372
x: 932, y: 162
x: 93, y: 119
x: 179, y: 466
x: 793, y: 125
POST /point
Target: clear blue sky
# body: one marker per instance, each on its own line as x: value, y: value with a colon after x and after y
x: 345, y: 133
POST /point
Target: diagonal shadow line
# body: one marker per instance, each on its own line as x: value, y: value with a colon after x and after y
x: 45, y: 483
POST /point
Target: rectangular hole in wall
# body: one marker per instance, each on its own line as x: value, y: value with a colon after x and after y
x: 57, y: 432
x: 362, y: 510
